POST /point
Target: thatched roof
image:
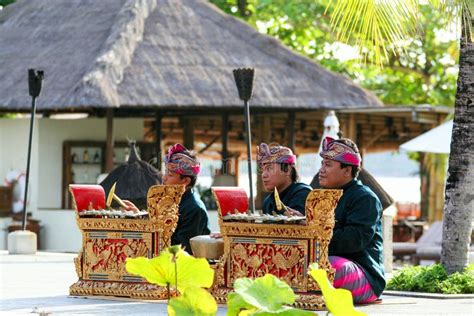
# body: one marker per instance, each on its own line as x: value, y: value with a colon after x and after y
x: 154, y: 53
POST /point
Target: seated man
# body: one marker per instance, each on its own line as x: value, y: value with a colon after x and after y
x: 182, y: 167
x: 277, y: 164
x: 356, y: 248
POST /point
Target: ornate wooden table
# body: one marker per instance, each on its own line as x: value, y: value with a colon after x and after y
x: 255, y: 246
x: 109, y: 237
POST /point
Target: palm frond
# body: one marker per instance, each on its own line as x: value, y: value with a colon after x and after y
x: 380, y: 26
x: 454, y: 9
x: 377, y: 23
x: 468, y: 16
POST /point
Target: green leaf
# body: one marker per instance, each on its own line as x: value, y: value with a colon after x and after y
x: 267, y: 293
x: 194, y: 302
x: 236, y: 304
x: 285, y: 311
x: 338, y: 301
x: 152, y: 273
x: 162, y: 270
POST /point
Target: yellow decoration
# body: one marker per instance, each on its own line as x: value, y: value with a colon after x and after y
x: 278, y: 203
x: 113, y: 196
x: 338, y: 301
x: 110, y: 197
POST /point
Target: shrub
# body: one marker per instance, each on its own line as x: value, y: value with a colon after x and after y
x: 433, y: 279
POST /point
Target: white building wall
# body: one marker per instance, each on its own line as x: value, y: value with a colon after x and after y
x: 59, y: 230
x: 14, y: 136
x: 52, y: 135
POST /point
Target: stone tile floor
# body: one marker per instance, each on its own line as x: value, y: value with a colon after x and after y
x: 39, y: 284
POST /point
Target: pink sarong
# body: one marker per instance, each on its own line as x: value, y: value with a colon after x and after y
x: 351, y: 276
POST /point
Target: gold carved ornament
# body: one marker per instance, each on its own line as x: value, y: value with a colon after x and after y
x: 319, y: 208
x: 255, y: 259
x: 107, y: 255
x: 163, y: 208
x: 123, y: 289
x: 242, y: 259
x: 107, y: 242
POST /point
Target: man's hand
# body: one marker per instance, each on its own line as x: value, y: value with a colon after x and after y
x: 291, y: 212
x: 130, y: 206
x: 216, y: 235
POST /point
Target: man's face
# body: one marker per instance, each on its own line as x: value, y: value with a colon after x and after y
x: 332, y: 176
x: 170, y: 178
x: 273, y: 176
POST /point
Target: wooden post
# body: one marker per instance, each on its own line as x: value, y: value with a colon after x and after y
x: 159, y: 138
x: 290, y: 126
x: 237, y: 167
x: 352, y: 132
x: 225, y: 140
x: 360, y: 142
x: 109, y: 146
x: 188, y: 133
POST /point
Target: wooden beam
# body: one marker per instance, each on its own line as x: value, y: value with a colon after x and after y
x: 375, y: 138
x: 158, y: 137
x: 188, y: 133
x: 225, y: 140
x: 209, y: 144
x: 352, y: 132
x: 109, y: 144
x: 237, y: 167
x: 290, y: 127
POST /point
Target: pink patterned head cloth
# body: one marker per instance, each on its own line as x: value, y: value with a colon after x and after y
x: 338, y: 151
x: 179, y: 160
x: 273, y: 153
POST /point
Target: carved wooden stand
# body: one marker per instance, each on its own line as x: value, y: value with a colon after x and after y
x: 107, y: 242
x: 250, y: 249
x: 286, y: 251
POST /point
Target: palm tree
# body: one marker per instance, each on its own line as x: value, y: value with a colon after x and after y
x: 379, y: 26
x: 459, y: 205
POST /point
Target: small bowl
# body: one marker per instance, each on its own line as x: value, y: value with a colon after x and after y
x: 204, y: 246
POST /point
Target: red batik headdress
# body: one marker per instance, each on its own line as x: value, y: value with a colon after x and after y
x: 277, y: 154
x: 338, y: 151
x: 179, y: 160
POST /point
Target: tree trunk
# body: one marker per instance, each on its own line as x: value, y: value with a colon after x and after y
x: 424, y: 186
x: 459, y: 205
x: 435, y: 169
x: 242, y: 6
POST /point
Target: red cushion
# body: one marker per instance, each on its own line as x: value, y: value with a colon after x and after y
x: 88, y: 196
x: 230, y: 199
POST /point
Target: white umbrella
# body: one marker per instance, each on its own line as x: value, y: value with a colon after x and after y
x: 437, y: 140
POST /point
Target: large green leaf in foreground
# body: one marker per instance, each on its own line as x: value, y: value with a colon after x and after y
x: 161, y: 270
x: 194, y: 302
x: 267, y: 293
x: 263, y: 296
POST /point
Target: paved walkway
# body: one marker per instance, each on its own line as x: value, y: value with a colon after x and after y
x: 40, y: 283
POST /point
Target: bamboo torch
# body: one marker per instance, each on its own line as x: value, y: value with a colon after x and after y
x: 244, y: 80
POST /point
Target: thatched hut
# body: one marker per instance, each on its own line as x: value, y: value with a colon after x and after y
x: 156, y: 54
x: 170, y: 62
